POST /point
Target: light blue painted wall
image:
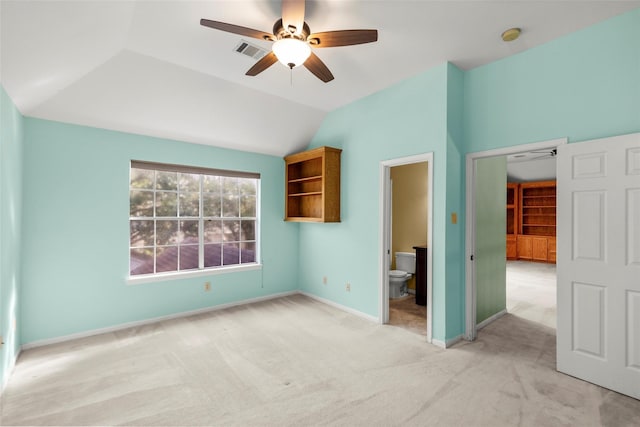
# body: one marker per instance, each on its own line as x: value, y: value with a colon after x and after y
x: 407, y: 119
x: 454, y: 285
x: 583, y: 86
x: 11, y: 155
x: 76, y: 207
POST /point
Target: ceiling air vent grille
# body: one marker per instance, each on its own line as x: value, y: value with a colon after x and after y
x: 250, y: 50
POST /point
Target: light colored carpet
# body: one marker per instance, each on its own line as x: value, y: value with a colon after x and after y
x: 531, y: 291
x: 296, y: 361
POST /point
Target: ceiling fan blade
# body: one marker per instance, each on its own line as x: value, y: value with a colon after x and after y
x: 317, y: 67
x: 342, y: 38
x: 267, y: 61
x: 236, y: 29
x: 293, y: 15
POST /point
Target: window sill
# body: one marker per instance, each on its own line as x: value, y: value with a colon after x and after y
x: 163, y: 277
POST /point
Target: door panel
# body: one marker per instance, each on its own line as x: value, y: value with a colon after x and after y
x: 633, y: 219
x: 589, y: 226
x: 539, y: 248
x: 599, y: 262
x: 525, y: 250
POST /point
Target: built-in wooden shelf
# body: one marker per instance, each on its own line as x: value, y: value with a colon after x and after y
x: 536, y: 240
x: 312, y: 185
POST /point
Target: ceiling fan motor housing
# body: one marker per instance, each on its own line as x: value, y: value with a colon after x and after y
x: 287, y: 33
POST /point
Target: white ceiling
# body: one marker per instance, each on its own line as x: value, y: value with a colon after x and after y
x: 148, y: 67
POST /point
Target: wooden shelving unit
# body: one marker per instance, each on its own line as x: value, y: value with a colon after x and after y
x: 512, y: 220
x: 536, y: 238
x: 313, y: 185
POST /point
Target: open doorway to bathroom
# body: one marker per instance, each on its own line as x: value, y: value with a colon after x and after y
x: 406, y: 207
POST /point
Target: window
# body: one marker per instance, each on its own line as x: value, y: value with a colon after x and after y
x: 186, y: 218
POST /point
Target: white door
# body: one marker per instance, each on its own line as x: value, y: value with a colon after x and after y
x: 598, y: 333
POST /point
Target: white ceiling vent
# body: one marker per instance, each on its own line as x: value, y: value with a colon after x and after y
x: 248, y: 49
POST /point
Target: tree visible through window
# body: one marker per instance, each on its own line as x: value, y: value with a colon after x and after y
x: 185, y: 218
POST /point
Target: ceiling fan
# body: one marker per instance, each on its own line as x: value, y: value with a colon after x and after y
x: 544, y: 154
x: 293, y: 40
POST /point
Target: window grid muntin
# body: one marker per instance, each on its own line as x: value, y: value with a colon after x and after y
x: 239, y: 243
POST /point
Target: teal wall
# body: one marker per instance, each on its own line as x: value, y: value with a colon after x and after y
x: 76, y: 207
x: 583, y: 86
x: 454, y: 285
x: 407, y: 119
x: 491, y: 241
x: 11, y: 154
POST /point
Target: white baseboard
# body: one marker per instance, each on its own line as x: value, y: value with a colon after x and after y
x: 485, y: 322
x: 341, y: 307
x: 121, y: 326
x: 447, y: 343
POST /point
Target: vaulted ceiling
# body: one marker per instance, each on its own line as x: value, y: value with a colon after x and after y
x: 148, y: 67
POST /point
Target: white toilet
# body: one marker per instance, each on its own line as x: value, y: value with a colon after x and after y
x: 406, y: 266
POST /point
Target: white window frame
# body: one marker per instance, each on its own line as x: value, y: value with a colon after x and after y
x: 201, y: 270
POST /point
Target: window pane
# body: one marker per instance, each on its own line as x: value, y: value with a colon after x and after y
x: 141, y: 178
x: 230, y: 186
x: 231, y: 230
x: 141, y: 261
x: 166, y: 181
x: 141, y: 203
x: 141, y: 233
x: 211, y: 184
x: 189, y: 257
x: 212, y: 255
x: 166, y: 259
x: 247, y: 187
x: 230, y: 206
x: 213, y: 231
x: 211, y: 205
x: 230, y: 254
x: 167, y: 204
x: 247, y: 252
x: 189, y: 232
x: 167, y: 210
x: 248, y: 231
x: 167, y: 232
x: 189, y: 204
x: 189, y: 182
x: 248, y: 206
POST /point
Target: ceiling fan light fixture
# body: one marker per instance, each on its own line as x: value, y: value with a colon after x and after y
x: 291, y: 52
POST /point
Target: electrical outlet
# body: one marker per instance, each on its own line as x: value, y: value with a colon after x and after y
x: 324, y: 280
x: 348, y: 287
x: 207, y: 286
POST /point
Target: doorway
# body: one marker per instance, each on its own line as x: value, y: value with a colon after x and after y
x: 481, y: 262
x: 386, y: 246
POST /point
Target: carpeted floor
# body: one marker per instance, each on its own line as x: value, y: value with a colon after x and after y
x: 296, y: 361
x: 531, y: 291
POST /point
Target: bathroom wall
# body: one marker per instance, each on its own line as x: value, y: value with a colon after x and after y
x: 409, y: 207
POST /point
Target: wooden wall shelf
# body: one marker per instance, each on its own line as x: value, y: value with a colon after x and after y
x: 312, y: 187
